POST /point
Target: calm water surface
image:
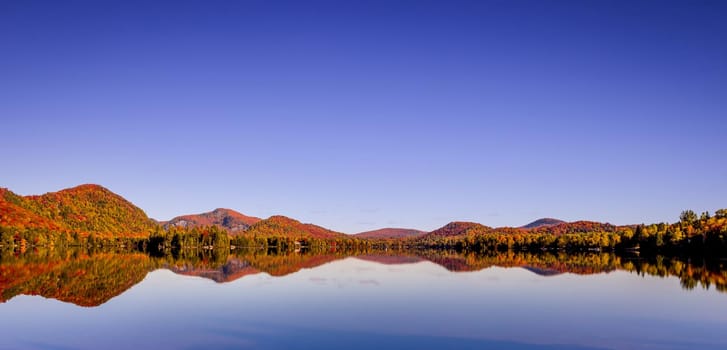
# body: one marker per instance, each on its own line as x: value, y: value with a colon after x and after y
x: 365, y: 302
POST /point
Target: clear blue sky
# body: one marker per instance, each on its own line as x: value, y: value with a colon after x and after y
x: 356, y: 115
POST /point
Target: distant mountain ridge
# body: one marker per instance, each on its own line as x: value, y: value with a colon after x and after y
x: 93, y: 209
x: 228, y: 219
x: 391, y: 233
x: 544, y: 222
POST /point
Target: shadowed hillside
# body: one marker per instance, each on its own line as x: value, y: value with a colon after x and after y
x: 544, y: 222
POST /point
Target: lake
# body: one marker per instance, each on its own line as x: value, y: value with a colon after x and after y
x: 338, y: 300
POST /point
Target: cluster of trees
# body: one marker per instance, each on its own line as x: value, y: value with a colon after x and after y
x: 22, y: 239
x: 496, y: 241
x: 204, y: 237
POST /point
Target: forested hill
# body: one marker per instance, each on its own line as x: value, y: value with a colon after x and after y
x: 457, y: 228
x: 84, y: 209
x: 282, y: 226
x: 92, y: 215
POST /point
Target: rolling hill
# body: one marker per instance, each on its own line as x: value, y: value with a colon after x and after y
x: 82, y: 209
x: 287, y: 227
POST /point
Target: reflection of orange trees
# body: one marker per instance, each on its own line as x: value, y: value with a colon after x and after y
x: 221, y: 267
x: 90, y: 279
x: 574, y: 263
x: 691, y: 273
x: 231, y: 270
x: 285, y: 263
x: 81, y: 279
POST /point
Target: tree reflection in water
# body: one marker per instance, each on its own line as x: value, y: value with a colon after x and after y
x: 92, y: 277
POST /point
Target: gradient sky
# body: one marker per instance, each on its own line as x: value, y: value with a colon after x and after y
x: 356, y: 115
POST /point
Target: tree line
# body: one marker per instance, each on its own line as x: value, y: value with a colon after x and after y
x: 692, y: 234
x: 704, y: 234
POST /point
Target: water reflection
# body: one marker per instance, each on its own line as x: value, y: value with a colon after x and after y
x: 91, y: 278
x: 358, y: 300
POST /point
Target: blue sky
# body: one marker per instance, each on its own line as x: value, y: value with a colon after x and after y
x: 364, y: 114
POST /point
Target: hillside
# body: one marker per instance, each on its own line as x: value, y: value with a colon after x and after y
x: 82, y: 209
x: 457, y: 228
x: 575, y: 227
x: 287, y: 227
x: 544, y: 222
x: 230, y: 220
x: 390, y: 233
x: 16, y: 213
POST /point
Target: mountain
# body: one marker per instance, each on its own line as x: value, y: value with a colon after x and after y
x: 457, y: 228
x: 287, y: 227
x: 93, y: 209
x: 544, y: 222
x: 228, y: 219
x: 390, y: 233
x: 81, y: 209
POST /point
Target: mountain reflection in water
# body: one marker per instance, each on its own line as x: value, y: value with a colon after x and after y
x: 91, y: 278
